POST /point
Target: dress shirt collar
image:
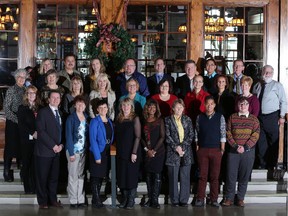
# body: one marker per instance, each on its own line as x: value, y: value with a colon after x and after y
x: 241, y: 114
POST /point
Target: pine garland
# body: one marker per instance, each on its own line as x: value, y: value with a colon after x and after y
x: 112, y: 43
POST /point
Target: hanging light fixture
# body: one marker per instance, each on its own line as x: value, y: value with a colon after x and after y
x: 93, y: 11
x: 8, y: 9
x: 182, y: 28
x: 15, y: 26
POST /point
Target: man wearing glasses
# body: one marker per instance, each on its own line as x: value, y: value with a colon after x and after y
x: 130, y: 72
x: 243, y: 131
x: 273, y: 108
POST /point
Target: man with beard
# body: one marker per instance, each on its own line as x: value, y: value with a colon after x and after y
x: 273, y: 108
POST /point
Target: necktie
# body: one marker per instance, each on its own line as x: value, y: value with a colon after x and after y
x: 238, y: 91
x: 261, y: 95
x: 57, y: 117
x: 191, y: 85
x: 159, y: 77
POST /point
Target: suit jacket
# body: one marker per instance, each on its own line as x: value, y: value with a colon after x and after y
x: 48, y: 133
x: 153, y: 85
x: 183, y: 86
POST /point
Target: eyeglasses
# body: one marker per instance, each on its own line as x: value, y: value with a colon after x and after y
x: 243, y: 104
x: 31, y: 93
x: 164, y: 86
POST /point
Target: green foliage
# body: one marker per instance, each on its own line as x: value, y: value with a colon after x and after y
x: 122, y: 49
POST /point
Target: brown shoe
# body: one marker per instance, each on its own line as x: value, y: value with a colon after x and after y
x: 240, y: 203
x: 43, y: 207
x: 57, y: 205
x: 227, y: 202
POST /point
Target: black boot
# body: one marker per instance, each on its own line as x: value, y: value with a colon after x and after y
x: 95, y: 187
x: 8, y: 174
x: 149, y: 190
x: 124, y: 198
x: 131, y: 198
x: 156, y: 190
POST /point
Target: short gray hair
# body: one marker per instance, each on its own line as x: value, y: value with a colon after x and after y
x: 267, y: 66
x: 18, y: 71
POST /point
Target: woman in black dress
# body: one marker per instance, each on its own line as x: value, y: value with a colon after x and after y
x: 128, y: 135
x: 27, y: 128
x: 153, y: 143
x: 101, y: 137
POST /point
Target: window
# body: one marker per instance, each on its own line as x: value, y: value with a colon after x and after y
x: 9, y: 25
x: 235, y: 33
x: 62, y: 29
x: 154, y: 29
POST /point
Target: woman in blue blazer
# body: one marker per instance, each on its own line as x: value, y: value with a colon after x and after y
x: 101, y: 137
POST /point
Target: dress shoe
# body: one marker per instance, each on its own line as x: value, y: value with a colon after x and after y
x: 43, y: 207
x: 183, y: 204
x: 57, y: 205
x: 82, y: 205
x: 227, y: 202
x: 214, y: 204
x: 73, y: 205
x: 240, y: 203
x: 175, y: 204
x: 199, y: 203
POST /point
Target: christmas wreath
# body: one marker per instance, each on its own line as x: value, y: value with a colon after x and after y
x: 112, y: 43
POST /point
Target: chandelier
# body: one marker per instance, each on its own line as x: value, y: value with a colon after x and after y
x: 7, y: 20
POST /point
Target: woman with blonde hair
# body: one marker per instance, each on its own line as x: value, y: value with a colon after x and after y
x: 45, y: 66
x: 102, y: 91
x: 96, y: 67
x: 128, y: 135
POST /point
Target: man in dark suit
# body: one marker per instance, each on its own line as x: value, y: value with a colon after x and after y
x: 47, y: 149
x: 153, y: 81
x: 184, y: 83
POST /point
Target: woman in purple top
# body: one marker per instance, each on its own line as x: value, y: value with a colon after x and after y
x: 254, y: 105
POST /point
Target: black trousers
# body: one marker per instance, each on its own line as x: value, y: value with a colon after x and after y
x: 268, y: 140
x: 47, y: 172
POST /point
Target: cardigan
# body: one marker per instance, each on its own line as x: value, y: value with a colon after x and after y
x: 97, y: 136
x: 71, y: 132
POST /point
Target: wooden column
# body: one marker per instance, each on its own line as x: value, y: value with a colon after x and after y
x: 196, y: 34
x: 27, y: 33
x: 273, y: 35
x: 111, y: 11
x: 283, y: 63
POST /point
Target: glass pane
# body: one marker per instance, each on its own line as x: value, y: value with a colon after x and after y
x: 9, y: 17
x: 136, y: 18
x: 177, y: 46
x: 87, y: 19
x: 46, y: 45
x: 253, y: 69
x: 6, y: 67
x: 177, y: 16
x: 156, y: 18
x: 8, y: 44
x: 67, y: 16
x: 254, y: 47
x: 46, y: 17
x: 255, y: 19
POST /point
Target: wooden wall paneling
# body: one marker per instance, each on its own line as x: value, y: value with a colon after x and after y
x: 235, y: 3
x: 283, y: 53
x: 272, y: 35
x: 196, y: 43
x: 27, y: 34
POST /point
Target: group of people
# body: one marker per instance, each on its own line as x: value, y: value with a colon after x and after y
x: 161, y: 128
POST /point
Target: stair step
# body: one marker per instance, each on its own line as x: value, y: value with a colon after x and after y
x: 260, y: 197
